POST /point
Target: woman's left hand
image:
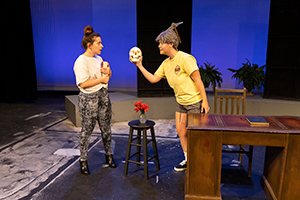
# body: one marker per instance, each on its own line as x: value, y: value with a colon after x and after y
x: 205, y: 106
x: 106, y: 71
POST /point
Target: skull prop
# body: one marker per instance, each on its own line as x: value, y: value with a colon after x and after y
x: 135, y: 54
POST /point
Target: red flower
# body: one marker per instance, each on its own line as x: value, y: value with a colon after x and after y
x: 139, y: 106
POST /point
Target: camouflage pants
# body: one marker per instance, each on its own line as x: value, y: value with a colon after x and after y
x: 94, y: 107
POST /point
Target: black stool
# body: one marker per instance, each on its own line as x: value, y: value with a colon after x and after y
x: 136, y: 125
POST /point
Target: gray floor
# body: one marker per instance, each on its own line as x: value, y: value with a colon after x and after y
x: 39, y: 160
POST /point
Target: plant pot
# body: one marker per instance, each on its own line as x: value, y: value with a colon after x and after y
x: 249, y: 94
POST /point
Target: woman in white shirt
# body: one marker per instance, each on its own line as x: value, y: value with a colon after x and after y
x: 93, y: 99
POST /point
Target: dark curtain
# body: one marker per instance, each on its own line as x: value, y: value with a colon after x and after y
x: 153, y: 17
x: 283, y: 53
x: 18, y: 74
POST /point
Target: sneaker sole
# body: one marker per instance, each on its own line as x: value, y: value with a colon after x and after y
x: 179, y: 170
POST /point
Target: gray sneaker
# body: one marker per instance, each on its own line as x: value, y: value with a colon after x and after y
x: 181, y: 167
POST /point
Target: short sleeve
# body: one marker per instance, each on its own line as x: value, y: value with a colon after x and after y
x: 160, y: 71
x: 190, y: 65
x: 81, y: 71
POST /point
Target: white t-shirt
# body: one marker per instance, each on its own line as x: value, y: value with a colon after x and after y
x: 86, y: 68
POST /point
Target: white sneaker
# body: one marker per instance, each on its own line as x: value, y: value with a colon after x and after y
x: 181, y: 167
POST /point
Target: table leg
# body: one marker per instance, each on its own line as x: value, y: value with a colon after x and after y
x: 281, y: 170
x: 203, y: 175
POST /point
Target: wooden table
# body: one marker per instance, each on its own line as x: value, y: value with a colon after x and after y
x: 207, y: 133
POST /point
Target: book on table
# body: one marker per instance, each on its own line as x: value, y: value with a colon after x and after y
x: 257, y: 121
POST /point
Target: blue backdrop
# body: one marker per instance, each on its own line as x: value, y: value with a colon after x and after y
x: 224, y: 33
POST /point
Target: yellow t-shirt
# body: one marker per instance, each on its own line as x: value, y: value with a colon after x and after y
x: 177, y: 71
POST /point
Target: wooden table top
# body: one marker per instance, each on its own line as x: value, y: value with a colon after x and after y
x: 277, y: 124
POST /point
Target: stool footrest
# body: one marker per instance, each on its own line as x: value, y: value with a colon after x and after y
x: 134, y: 144
x: 140, y: 138
x: 140, y: 145
x: 138, y: 163
x: 151, y: 157
x: 136, y: 154
x: 132, y: 155
x: 141, y: 162
x: 149, y: 141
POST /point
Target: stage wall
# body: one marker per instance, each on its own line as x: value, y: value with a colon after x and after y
x: 223, y: 33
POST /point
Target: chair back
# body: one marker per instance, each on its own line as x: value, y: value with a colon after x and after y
x: 232, y: 99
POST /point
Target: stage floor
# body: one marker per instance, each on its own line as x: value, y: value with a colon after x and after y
x: 39, y: 160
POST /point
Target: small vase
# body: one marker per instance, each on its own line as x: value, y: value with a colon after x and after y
x: 142, y: 118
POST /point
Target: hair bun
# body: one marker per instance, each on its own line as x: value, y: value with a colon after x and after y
x: 88, y: 30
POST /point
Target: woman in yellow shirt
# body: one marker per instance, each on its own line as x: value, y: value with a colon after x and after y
x: 182, y: 73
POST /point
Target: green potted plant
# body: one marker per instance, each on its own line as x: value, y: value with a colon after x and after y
x: 210, y: 75
x: 251, y: 75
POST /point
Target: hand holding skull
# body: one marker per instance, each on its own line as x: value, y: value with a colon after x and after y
x: 135, y: 56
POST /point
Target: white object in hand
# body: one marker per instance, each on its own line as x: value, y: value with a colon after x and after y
x: 135, y: 54
x: 104, y: 64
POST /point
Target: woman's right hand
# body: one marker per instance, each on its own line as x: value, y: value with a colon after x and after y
x: 137, y: 63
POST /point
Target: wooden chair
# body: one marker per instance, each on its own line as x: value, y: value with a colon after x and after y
x: 235, y: 100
